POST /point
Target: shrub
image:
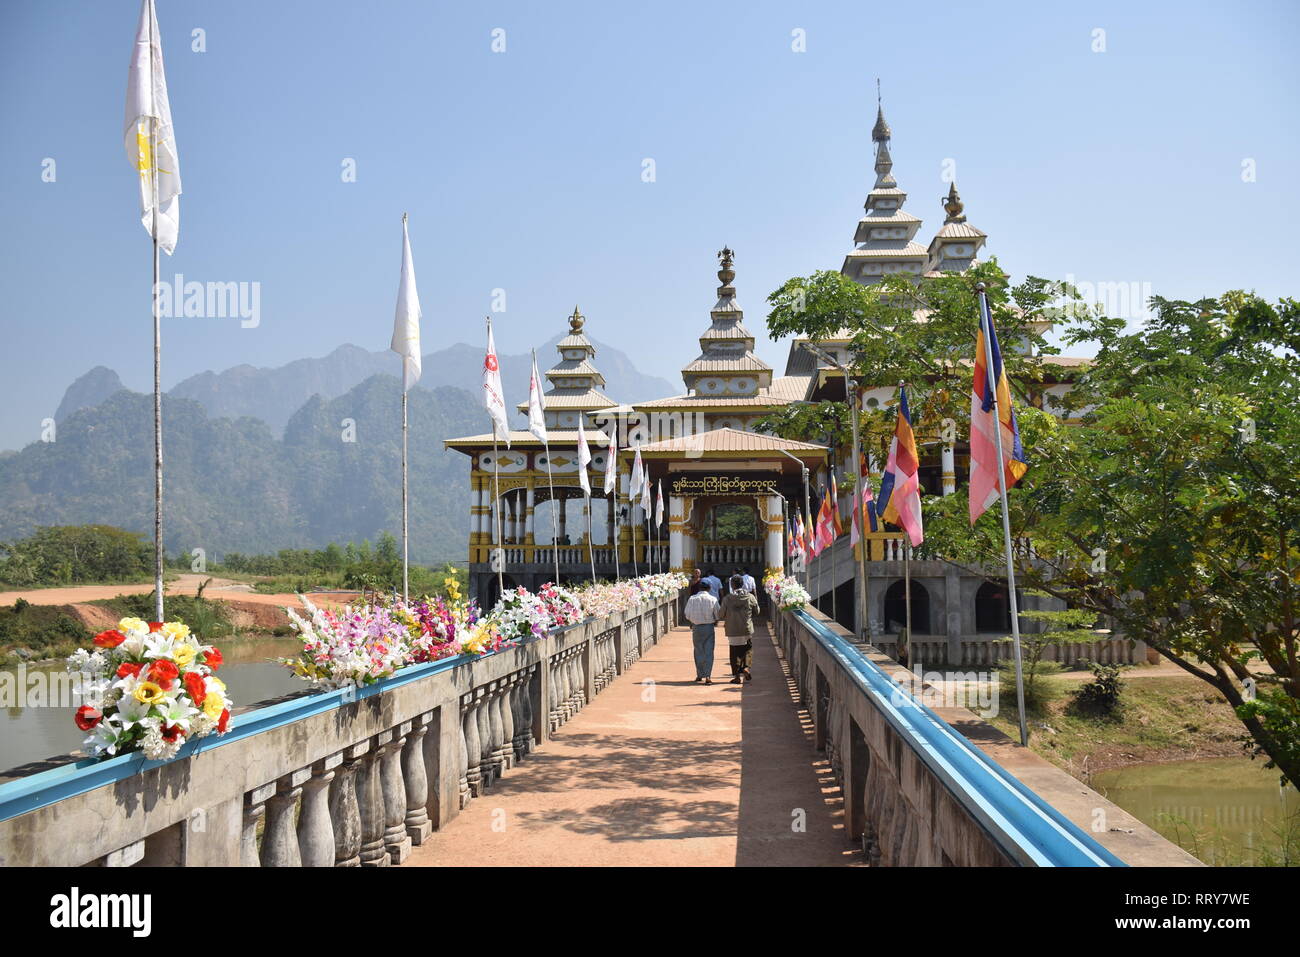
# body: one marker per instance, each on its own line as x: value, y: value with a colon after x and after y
x: 1101, y: 695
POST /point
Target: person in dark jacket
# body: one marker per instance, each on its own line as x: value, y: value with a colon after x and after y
x: 737, y: 611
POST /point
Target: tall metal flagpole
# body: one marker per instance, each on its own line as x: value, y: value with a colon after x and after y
x: 987, y: 324
x: 591, y: 553
x: 555, y: 505
x: 405, y: 546
x: 631, y: 520
x: 157, y: 357
x: 907, y: 586
x: 496, y: 510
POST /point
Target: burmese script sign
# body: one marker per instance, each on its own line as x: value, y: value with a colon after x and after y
x: 745, y: 483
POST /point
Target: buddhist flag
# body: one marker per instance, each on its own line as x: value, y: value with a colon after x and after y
x: 984, y: 464
x: 493, y: 398
x: 796, y: 543
x: 150, y: 141
x: 835, y: 506
x: 806, y: 538
x: 825, y: 531
x: 659, y: 503
x: 903, y: 505
x: 584, y: 459
x: 406, y: 324
x: 536, y: 413
x: 634, y: 489
x: 645, y: 490
x: 611, y: 462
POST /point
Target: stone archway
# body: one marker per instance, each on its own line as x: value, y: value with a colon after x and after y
x: 895, y: 608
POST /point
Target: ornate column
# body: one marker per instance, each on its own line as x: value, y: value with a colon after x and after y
x: 315, y: 829
x: 415, y: 774
x: 562, y: 514
x: 774, y: 528
x: 370, y: 801
x: 279, y: 841
x: 345, y: 814
x: 511, y: 530
x: 676, y: 552
x: 396, y: 841
x: 254, y: 808
x: 949, y: 469
x: 530, y: 501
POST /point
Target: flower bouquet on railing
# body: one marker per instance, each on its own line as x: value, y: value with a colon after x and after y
x: 519, y: 614
x: 350, y: 647
x: 786, y: 592
x: 150, y: 687
x: 562, y: 606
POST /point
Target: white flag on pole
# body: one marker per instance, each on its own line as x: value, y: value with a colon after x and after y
x: 659, y: 503
x: 493, y: 399
x: 645, y: 490
x: 611, y: 462
x: 150, y: 141
x: 536, y: 414
x: 406, y: 324
x: 635, y: 488
x: 584, y: 459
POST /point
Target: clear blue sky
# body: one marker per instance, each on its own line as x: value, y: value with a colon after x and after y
x: 522, y: 170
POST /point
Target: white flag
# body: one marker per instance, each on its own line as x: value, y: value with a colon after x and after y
x: 492, y: 396
x: 645, y: 490
x: 536, y: 414
x: 406, y: 325
x: 659, y: 503
x: 584, y: 459
x: 150, y: 141
x: 635, y: 488
x: 611, y: 462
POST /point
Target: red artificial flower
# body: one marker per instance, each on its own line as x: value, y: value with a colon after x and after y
x: 224, y: 720
x: 171, y: 732
x: 164, y: 673
x: 194, y: 686
x: 155, y: 626
x: 87, y: 717
x: 212, y: 658
x: 109, y: 639
x: 131, y: 668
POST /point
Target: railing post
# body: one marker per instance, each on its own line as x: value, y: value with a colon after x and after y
x: 415, y: 774
x: 507, y: 708
x: 345, y: 814
x: 370, y: 800
x: 315, y: 829
x: 279, y: 842
x: 254, y: 808
x: 396, y: 841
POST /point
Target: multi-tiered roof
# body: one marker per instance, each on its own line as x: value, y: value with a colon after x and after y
x: 575, y: 380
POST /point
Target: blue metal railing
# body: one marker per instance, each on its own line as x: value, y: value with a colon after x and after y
x: 1020, y: 822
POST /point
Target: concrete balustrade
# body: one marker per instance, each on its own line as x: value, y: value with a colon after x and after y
x: 937, y: 785
x: 347, y: 778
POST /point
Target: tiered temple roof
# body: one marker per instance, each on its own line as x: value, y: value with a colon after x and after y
x: 575, y: 380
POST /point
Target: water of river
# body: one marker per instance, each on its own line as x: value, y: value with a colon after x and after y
x: 35, y: 732
x: 1225, y: 811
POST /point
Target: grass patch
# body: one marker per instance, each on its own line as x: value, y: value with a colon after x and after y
x: 1158, y: 719
x: 210, y: 620
x: 31, y: 632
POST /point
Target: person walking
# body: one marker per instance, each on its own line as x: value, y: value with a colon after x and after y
x: 737, y: 610
x: 702, y: 613
x: 714, y: 582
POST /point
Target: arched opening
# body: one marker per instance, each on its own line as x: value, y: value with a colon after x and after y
x: 731, y: 522
x: 896, y: 608
x: 992, y: 609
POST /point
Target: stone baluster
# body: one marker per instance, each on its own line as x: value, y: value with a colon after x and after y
x: 416, y: 776
x: 497, y: 728
x: 527, y: 707
x: 462, y: 783
x: 579, y: 682
x: 370, y: 802
x: 396, y: 841
x: 517, y: 692
x: 473, y: 751
x: 345, y: 814
x: 505, y: 701
x: 254, y: 808
x: 279, y: 842
x: 553, y: 698
x: 486, y: 766
x: 315, y: 829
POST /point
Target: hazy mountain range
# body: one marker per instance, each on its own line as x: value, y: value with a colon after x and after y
x: 256, y: 459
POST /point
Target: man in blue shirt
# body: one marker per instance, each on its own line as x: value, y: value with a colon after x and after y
x: 714, y: 583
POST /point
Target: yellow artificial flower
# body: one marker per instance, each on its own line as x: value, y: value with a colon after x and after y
x: 132, y: 624
x: 214, y: 704
x: 215, y: 682
x: 176, y: 630
x: 147, y: 692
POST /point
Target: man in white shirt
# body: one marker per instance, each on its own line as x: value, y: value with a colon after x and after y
x: 702, y: 612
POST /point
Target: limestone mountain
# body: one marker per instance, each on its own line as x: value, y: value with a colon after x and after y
x: 88, y: 391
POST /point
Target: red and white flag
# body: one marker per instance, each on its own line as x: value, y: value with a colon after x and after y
x: 584, y: 459
x: 493, y: 398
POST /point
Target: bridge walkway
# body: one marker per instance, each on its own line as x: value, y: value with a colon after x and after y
x: 658, y: 770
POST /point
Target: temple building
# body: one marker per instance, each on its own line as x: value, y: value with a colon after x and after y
x: 728, y: 488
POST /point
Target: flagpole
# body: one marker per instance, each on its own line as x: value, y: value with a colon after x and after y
x: 496, y: 509
x: 405, y: 541
x: 555, y: 532
x: 907, y: 591
x: 1006, y: 514
x: 834, y: 598
x: 631, y: 520
x: 157, y: 359
x: 591, y: 554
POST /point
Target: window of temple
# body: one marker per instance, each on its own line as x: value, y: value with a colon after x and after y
x: 992, y: 609
x: 896, y: 608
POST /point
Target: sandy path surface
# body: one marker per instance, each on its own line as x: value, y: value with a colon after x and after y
x: 695, y: 775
